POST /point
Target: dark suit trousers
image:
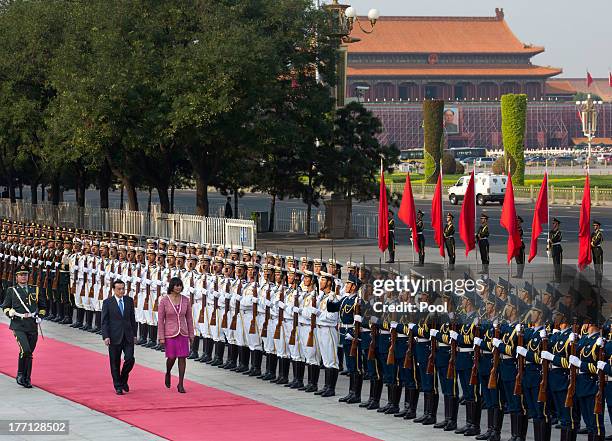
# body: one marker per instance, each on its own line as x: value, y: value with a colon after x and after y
x: 120, y: 376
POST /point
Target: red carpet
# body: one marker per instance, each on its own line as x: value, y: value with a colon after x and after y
x: 203, y: 413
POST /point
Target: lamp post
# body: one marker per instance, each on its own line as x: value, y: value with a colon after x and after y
x: 588, y: 111
x: 342, y: 19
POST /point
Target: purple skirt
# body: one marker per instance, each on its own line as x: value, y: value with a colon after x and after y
x: 177, y: 347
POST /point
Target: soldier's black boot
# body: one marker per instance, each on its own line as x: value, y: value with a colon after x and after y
x: 476, y: 414
x: 523, y: 425
x: 454, y: 410
x: 59, y: 312
x: 271, y: 362
x: 80, y: 312
x: 67, y: 315
x: 234, y: 360
x: 301, y: 369
x: 326, y: 385
x: 202, y: 357
x: 87, y: 322
x: 20, y: 371
x: 396, y: 394
x: 378, y: 388
x: 538, y: 432
x: 356, y: 398
x: 209, y: 351
x: 426, y: 399
x: 152, y: 336
x: 371, y: 395
x: 250, y: 356
x: 51, y: 316
x: 468, y: 418
x: 243, y: 365
x: 498, y: 420
x: 27, y: 373
x: 351, y: 392
x: 293, y: 372
x: 333, y: 378
x: 284, y: 372
x: 314, y: 381
x: 413, y: 394
x: 490, y: 425
x: 389, y: 400
x: 256, y: 366
x: 195, y: 348
x: 571, y: 434
x: 514, y: 427
x: 97, y: 321
x: 218, y: 358
x: 402, y: 413
x: 447, y: 404
x: 432, y: 414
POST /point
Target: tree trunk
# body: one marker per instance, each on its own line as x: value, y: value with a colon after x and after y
x: 11, y: 189
x: 309, y: 206
x: 172, y: 199
x: 34, y: 192
x: 21, y: 191
x: 80, y: 189
x: 272, y: 211
x: 349, y: 215
x: 164, y: 200
x: 236, y: 204
x: 149, y: 201
x: 202, y: 206
x: 121, y: 198
x: 131, y: 194
x: 104, y: 183
x: 55, y: 192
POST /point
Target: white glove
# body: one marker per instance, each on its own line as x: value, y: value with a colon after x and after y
x: 20, y: 259
x: 216, y: 294
x: 411, y: 325
x: 348, y: 337
x: 393, y: 325
x: 317, y: 312
x: 254, y: 300
x: 497, y: 342
x: 101, y: 273
x: 451, y: 315
x: 521, y: 351
x: 56, y: 264
x: 295, y: 310
x: 454, y: 335
x: 281, y: 305
x: 599, y: 342
x: 477, y: 341
x: 571, y: 337
x: 601, y: 365
x: 268, y: 303
x: 238, y: 297
x: 547, y: 355
x: 542, y: 333
x: 11, y: 312
x: 518, y: 327
x: 575, y: 361
x: 357, y: 318
x: 374, y: 320
x: 433, y: 332
x: 38, y: 320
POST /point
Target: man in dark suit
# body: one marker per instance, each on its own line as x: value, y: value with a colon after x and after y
x: 119, y: 334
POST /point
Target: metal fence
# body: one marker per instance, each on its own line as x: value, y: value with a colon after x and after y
x: 181, y: 227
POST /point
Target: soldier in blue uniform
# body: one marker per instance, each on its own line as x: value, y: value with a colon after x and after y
x: 554, y: 246
x: 346, y: 309
x: 465, y: 360
x: 383, y: 346
x: 420, y: 237
x: 606, y: 366
x: 25, y: 308
x: 409, y: 373
x: 558, y: 380
x: 586, y: 380
x: 537, y: 411
x: 449, y: 240
x: 597, y: 251
x: 520, y: 257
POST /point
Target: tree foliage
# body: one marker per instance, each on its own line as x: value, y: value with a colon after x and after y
x: 514, y: 111
x: 433, y: 130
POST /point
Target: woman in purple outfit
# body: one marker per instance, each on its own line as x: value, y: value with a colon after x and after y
x: 175, y: 329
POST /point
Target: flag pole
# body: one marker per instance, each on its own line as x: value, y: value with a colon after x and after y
x: 442, y: 206
x: 475, y: 215
x: 380, y: 178
x: 547, y: 212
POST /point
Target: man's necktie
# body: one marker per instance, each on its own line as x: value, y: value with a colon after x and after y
x: 121, y: 306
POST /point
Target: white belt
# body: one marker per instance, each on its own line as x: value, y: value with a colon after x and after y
x: 22, y: 316
x: 385, y: 332
x: 365, y: 330
x: 422, y: 340
x: 552, y: 366
x: 486, y: 352
x: 443, y: 345
x: 556, y: 243
x: 346, y: 326
x: 401, y: 335
x: 420, y: 233
x: 466, y: 349
x: 609, y: 378
x: 505, y: 357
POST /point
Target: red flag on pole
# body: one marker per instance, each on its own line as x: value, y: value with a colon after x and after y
x: 467, y: 218
x: 436, y: 216
x: 610, y: 79
x: 540, y: 216
x: 584, y: 227
x: 383, y: 213
x: 407, y: 212
x: 589, y: 79
x: 509, y: 222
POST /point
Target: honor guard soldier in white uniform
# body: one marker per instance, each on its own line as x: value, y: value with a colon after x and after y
x: 327, y: 334
x: 252, y: 318
x: 307, y: 311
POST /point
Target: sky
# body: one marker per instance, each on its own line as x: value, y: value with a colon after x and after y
x: 577, y: 34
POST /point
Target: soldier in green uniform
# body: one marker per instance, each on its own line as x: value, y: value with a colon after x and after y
x: 554, y: 247
x: 482, y: 236
x: 420, y: 237
x: 391, y: 246
x: 597, y: 251
x: 520, y: 257
x: 449, y: 240
x: 25, y: 309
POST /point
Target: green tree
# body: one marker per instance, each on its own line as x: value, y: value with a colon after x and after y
x: 354, y: 161
x: 433, y: 131
x: 514, y: 111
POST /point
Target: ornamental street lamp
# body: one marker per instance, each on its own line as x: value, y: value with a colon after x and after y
x: 588, y: 111
x: 342, y: 19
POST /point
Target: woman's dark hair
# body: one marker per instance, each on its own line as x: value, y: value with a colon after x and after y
x: 175, y: 281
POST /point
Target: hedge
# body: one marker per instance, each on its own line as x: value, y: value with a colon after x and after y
x: 514, y: 111
x: 432, y: 125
